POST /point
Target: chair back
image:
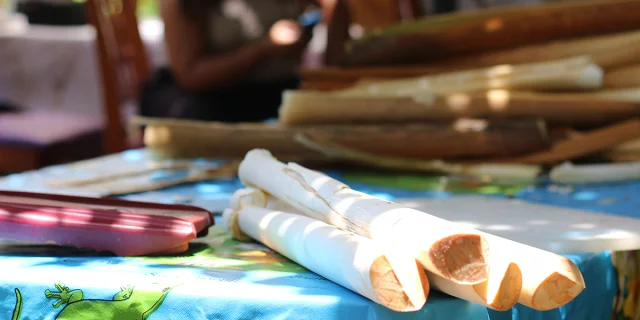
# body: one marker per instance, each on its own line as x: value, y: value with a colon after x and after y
x: 123, y: 64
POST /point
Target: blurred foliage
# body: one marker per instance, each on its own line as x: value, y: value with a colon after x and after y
x: 146, y: 8
x: 422, y: 182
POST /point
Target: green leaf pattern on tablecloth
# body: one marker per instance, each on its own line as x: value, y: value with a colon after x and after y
x: 218, y: 250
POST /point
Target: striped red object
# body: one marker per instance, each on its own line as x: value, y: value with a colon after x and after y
x: 126, y: 228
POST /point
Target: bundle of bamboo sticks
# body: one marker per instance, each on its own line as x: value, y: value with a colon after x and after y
x: 565, y: 72
x: 563, y: 95
x: 468, y: 33
x: 387, y: 253
x: 533, y: 100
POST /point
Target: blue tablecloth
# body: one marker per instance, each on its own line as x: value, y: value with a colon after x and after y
x: 220, y: 278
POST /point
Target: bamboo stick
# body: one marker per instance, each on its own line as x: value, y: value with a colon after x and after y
x: 589, y: 143
x: 576, y: 73
x: 350, y: 75
x: 446, y: 249
x: 607, y: 51
x: 149, y: 182
x: 629, y: 146
x: 435, y: 141
x: 629, y: 95
x: 312, y: 107
x: 447, y: 20
x: 500, y: 292
x: 494, y: 171
x: 329, y: 85
x: 390, y: 279
x: 623, y: 77
x: 491, y: 30
x: 623, y: 157
x: 595, y: 173
x: 628, y: 151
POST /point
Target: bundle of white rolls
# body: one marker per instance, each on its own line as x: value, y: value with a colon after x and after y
x: 385, y: 252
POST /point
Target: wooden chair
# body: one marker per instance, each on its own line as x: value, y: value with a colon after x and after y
x: 32, y: 140
x: 123, y: 64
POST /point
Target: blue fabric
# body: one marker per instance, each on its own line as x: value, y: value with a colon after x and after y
x: 596, y: 301
x: 220, y: 278
x: 615, y: 198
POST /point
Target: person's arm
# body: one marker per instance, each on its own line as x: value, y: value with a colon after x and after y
x: 338, y: 25
x: 193, y: 68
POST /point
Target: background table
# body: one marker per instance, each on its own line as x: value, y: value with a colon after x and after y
x: 55, y: 68
x: 222, y: 278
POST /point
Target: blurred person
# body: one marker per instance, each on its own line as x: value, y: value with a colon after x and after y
x: 229, y: 60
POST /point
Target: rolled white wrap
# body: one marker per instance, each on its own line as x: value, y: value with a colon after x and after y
x: 445, y: 248
x: 354, y: 262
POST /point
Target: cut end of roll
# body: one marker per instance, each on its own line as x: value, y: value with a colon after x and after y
x: 503, y: 293
x: 390, y: 291
x: 559, y: 288
x: 462, y: 258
